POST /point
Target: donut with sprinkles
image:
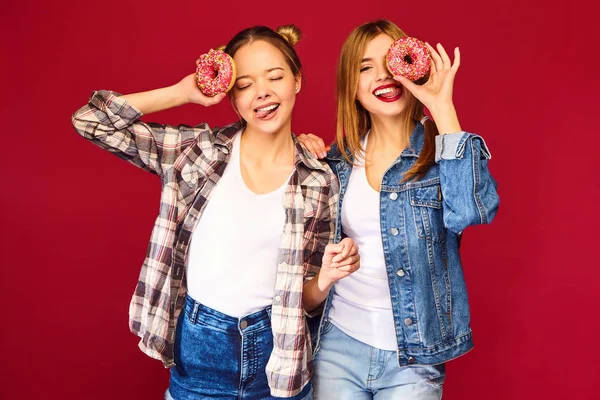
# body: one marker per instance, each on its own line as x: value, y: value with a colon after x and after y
x: 215, y: 72
x: 408, y: 57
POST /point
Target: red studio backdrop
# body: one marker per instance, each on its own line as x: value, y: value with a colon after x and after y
x: 75, y: 220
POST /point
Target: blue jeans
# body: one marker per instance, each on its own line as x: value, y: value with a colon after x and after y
x: 221, y: 357
x: 347, y: 369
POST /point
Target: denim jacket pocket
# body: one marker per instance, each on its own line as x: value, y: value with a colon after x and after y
x: 426, y: 202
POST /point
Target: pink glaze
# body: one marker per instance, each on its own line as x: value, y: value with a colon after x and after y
x: 413, y: 49
x: 215, y: 73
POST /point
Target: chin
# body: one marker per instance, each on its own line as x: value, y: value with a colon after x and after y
x: 386, y: 110
x: 268, y: 127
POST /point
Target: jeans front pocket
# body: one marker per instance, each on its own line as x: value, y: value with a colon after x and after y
x: 204, y: 354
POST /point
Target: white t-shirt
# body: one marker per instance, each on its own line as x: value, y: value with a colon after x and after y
x: 232, y: 261
x: 361, y: 305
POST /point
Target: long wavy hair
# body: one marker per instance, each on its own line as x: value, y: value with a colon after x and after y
x: 353, y: 120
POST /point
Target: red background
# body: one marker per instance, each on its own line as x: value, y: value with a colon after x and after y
x: 75, y: 220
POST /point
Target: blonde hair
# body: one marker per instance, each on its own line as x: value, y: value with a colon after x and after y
x: 353, y: 120
x: 284, y: 39
x: 291, y: 33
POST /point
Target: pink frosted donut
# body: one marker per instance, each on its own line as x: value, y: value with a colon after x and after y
x: 215, y: 73
x: 408, y: 57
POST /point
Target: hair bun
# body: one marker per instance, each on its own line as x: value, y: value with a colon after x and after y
x: 291, y: 33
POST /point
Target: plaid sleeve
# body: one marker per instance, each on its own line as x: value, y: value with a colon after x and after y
x: 324, y: 232
x: 113, y: 124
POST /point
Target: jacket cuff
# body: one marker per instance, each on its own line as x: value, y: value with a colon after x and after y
x: 452, y: 146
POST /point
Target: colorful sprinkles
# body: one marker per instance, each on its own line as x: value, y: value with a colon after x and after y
x: 215, y: 73
x: 408, y: 57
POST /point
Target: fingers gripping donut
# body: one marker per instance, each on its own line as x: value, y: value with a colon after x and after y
x: 215, y: 73
x: 408, y: 57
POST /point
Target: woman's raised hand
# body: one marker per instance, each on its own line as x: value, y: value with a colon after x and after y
x: 192, y: 93
x: 436, y: 93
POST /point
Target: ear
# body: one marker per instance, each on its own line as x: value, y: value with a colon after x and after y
x: 298, y: 80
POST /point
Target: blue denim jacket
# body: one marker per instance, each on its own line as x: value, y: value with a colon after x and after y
x: 421, y: 223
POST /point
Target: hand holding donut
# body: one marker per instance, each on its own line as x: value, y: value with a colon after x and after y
x: 191, y: 93
x: 436, y: 93
x: 214, y: 77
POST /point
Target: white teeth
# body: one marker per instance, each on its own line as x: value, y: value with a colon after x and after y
x: 268, y: 108
x: 384, y: 91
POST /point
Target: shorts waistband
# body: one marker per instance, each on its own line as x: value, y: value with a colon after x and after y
x: 198, y: 313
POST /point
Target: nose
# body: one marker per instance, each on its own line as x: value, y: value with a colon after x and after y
x: 262, y: 90
x: 383, y: 74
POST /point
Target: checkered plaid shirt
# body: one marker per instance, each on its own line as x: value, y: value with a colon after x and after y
x: 190, y: 161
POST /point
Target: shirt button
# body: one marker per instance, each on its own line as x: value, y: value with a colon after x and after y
x: 278, y: 298
x: 244, y: 324
x: 400, y: 272
x: 408, y: 321
x: 411, y: 360
x: 393, y: 196
x: 225, y: 150
x: 284, y: 264
x: 394, y: 231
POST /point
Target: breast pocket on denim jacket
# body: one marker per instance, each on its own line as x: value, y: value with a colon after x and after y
x: 426, y: 202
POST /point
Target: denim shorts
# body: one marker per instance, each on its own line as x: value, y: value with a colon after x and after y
x: 222, y: 357
x: 347, y: 369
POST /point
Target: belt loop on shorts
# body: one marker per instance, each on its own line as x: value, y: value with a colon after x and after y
x: 269, y: 312
x: 194, y: 313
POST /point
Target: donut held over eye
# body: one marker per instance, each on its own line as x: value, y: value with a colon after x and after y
x: 408, y: 57
x: 215, y: 73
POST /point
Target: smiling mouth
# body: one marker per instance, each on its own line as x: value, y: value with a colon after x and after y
x: 266, y: 111
x: 388, y: 93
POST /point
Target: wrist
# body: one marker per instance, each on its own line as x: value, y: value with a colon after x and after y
x: 324, y: 283
x: 445, y: 118
x: 179, y: 94
x: 442, y: 109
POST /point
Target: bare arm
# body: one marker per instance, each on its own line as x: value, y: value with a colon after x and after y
x: 183, y: 92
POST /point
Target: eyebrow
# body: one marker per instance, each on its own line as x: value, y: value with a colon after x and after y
x: 366, y: 59
x: 267, y: 71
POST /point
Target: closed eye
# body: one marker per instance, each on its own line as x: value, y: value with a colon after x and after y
x: 365, y: 68
x: 277, y: 79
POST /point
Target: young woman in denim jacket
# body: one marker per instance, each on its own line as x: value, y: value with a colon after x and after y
x: 225, y: 308
x: 409, y: 186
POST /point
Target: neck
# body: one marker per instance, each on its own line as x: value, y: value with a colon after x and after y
x: 389, y: 133
x: 267, y: 148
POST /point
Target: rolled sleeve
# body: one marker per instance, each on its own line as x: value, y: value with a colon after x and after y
x: 112, y: 123
x: 452, y: 146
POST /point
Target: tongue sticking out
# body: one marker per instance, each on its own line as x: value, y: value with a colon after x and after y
x: 263, y: 113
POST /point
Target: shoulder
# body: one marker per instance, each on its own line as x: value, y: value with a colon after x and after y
x: 311, y: 170
x: 218, y: 136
